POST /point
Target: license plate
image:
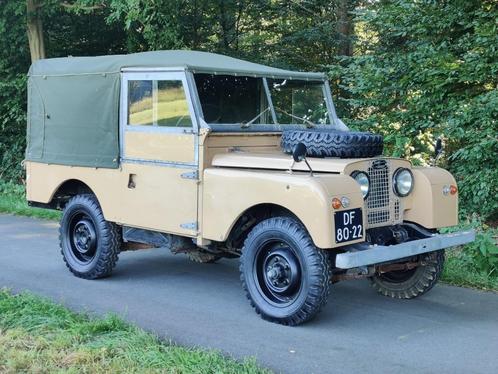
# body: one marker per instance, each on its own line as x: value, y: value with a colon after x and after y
x: 348, y: 225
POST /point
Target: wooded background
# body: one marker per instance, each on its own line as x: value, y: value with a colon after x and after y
x: 410, y: 70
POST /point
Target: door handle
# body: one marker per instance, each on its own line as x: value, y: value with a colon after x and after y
x: 132, y: 183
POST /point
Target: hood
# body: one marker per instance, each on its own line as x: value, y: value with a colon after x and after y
x: 280, y: 161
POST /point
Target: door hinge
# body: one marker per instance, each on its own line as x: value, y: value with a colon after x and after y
x: 191, y: 175
x: 189, y: 226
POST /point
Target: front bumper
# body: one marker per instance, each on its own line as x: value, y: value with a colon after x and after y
x: 362, y: 255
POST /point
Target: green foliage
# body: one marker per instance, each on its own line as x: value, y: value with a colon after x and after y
x: 13, y: 200
x: 66, y: 33
x: 14, y: 59
x: 484, y: 250
x: 460, y: 270
x: 475, y: 264
x: 428, y: 69
x: 39, y: 336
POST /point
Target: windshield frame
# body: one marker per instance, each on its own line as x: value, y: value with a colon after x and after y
x: 335, y: 123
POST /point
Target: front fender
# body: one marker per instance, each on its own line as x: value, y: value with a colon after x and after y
x: 228, y: 193
x: 430, y: 207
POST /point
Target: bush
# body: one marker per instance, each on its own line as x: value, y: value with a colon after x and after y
x: 425, y: 70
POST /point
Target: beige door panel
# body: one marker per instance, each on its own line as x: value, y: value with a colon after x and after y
x: 155, y: 146
x: 159, y: 198
x: 159, y: 151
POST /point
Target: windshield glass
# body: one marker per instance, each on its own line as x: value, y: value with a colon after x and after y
x: 228, y: 99
x: 297, y: 101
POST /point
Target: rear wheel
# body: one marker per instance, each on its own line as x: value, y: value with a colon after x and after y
x: 285, y: 276
x: 408, y: 284
x: 89, y: 244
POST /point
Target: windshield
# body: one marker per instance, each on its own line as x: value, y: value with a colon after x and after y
x: 297, y: 101
x: 228, y: 99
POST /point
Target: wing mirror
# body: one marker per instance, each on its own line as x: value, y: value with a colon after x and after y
x: 299, y: 154
x: 438, y: 151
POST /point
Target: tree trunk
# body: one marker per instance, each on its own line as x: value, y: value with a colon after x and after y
x: 35, y: 30
x: 345, y: 26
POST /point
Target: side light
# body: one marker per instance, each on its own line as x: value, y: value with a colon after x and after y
x: 343, y: 202
x: 336, y: 203
x: 449, y: 190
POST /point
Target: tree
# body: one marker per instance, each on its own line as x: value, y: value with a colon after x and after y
x: 428, y: 69
x: 35, y: 30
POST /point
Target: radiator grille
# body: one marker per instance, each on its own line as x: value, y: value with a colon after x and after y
x: 378, y: 209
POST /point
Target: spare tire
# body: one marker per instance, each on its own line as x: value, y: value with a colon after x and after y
x: 333, y: 143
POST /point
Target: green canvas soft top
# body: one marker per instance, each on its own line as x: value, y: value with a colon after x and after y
x: 73, y: 102
x: 192, y: 60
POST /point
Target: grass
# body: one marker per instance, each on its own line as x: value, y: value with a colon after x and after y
x: 38, y: 336
x: 13, y: 201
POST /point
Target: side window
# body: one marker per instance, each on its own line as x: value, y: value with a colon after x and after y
x: 140, y: 105
x: 157, y: 103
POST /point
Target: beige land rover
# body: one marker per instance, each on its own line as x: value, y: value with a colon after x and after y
x: 216, y: 157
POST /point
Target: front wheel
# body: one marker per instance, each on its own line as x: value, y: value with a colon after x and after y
x: 285, y: 276
x: 408, y: 284
x: 89, y: 244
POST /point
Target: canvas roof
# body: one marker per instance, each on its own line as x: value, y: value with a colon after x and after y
x: 192, y: 60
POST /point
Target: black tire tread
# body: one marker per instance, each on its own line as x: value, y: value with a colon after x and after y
x: 333, y: 143
x: 420, y: 283
x: 110, y: 237
x: 319, y: 266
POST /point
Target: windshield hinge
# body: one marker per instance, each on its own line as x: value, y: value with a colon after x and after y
x: 191, y: 175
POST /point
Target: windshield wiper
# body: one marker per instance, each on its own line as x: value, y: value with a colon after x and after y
x: 309, y: 124
x: 245, y: 125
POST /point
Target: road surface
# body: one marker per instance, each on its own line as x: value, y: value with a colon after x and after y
x: 449, y: 330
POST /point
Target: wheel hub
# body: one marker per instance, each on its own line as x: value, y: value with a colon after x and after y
x: 281, y: 272
x: 84, y: 237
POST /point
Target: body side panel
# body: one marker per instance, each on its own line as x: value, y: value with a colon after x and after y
x: 161, y: 200
x: 309, y: 198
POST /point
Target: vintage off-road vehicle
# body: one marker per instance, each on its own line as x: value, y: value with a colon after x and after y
x: 202, y: 153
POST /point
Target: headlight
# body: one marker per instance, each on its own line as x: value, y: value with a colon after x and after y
x: 403, y: 182
x: 363, y: 180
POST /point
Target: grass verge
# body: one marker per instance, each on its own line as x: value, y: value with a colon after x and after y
x: 13, y: 200
x: 42, y: 337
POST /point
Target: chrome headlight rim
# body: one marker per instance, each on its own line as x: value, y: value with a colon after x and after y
x: 395, y: 182
x: 354, y: 174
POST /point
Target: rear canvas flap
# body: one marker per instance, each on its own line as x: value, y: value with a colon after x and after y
x: 73, y: 120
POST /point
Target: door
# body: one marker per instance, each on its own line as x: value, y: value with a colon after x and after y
x: 159, y: 152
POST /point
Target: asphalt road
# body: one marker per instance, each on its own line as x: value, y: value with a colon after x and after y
x: 449, y: 330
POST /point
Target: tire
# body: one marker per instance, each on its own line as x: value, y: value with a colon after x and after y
x: 333, y: 143
x: 89, y: 244
x: 408, y: 284
x: 285, y: 276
